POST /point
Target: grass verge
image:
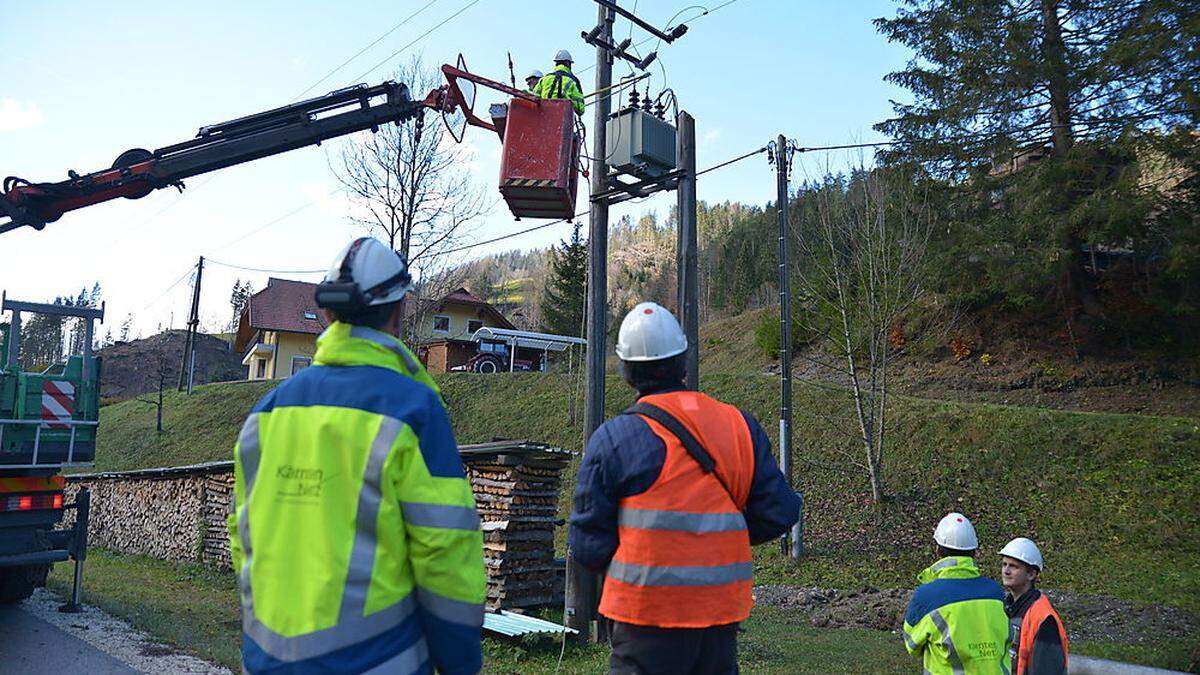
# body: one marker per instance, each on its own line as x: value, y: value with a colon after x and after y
x: 196, y: 610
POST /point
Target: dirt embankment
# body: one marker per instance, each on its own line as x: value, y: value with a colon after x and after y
x: 134, y: 367
x: 1088, y: 617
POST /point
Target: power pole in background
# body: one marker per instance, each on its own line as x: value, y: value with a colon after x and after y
x: 582, y: 587
x: 687, y: 274
x: 793, y: 544
x: 189, y: 342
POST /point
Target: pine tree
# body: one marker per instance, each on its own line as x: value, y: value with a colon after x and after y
x: 564, y: 297
x: 1082, y: 88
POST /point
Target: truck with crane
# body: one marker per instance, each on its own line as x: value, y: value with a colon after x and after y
x: 49, y: 417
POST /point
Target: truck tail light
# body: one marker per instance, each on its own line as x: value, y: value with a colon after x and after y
x: 35, y: 502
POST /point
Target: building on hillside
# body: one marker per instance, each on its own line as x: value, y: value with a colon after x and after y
x: 277, y: 331
x: 445, y: 329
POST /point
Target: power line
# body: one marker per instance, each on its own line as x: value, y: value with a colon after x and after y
x: 169, y: 289
x: 364, y: 49
x: 259, y: 269
x: 418, y: 39
x: 273, y: 221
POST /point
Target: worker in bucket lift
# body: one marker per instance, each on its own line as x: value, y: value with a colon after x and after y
x: 955, y: 621
x: 561, y: 82
x: 532, y: 79
x: 1040, y: 639
x: 670, y: 498
x: 355, y: 532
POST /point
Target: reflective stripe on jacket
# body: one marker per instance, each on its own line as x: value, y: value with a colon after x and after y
x: 683, y: 554
x: 956, y: 621
x: 355, y: 532
x: 1031, y: 625
x: 561, y: 83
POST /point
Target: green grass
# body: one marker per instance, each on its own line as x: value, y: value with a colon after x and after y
x: 186, y: 605
x: 196, y: 610
x: 1113, y: 499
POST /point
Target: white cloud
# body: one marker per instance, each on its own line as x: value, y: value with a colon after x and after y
x: 16, y: 115
x: 711, y: 136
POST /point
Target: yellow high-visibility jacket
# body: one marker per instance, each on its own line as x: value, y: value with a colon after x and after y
x: 355, y: 533
x: 561, y: 83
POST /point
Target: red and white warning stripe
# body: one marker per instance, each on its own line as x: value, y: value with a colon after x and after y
x: 58, y: 402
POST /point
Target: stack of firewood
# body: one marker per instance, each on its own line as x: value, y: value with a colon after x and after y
x: 218, y: 503
x: 516, y: 489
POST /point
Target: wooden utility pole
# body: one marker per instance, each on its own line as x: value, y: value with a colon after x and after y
x: 582, y: 592
x: 688, y: 293
x: 189, y: 342
x: 793, y: 544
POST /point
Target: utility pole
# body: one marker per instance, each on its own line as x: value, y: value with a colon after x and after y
x: 792, y: 544
x: 189, y: 342
x: 688, y: 293
x: 582, y: 591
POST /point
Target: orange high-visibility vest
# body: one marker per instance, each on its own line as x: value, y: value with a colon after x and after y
x: 1038, y: 612
x: 683, y: 555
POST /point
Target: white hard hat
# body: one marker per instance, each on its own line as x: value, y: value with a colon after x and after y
x: 564, y: 55
x: 955, y: 531
x: 650, y: 333
x: 534, y: 73
x: 365, y: 273
x: 1024, y: 550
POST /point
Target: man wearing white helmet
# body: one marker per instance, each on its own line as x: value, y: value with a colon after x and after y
x: 561, y: 82
x: 671, y: 496
x: 1039, y: 636
x: 532, y: 79
x: 955, y: 621
x: 355, y: 535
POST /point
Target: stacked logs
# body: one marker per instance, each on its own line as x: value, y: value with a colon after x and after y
x: 147, y: 515
x: 516, y: 489
x: 218, y: 503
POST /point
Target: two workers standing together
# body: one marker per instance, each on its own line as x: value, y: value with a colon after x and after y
x: 358, y: 547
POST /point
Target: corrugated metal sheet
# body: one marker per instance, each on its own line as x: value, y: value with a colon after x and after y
x: 512, y: 624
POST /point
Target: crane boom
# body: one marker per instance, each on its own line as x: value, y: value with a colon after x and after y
x: 137, y: 172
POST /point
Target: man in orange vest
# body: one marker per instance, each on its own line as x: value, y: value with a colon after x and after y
x: 670, y: 498
x: 1039, y: 637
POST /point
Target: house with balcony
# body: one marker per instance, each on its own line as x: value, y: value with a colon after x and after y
x: 277, y: 331
x: 278, y: 328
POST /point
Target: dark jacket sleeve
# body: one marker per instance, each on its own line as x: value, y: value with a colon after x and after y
x: 1048, y: 657
x: 623, y: 458
x: 772, y: 507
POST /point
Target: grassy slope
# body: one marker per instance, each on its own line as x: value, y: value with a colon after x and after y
x: 1113, y: 498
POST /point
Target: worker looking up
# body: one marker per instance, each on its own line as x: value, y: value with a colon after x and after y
x: 670, y: 498
x: 1039, y: 637
x: 532, y: 79
x: 355, y: 531
x: 955, y: 621
x: 561, y: 82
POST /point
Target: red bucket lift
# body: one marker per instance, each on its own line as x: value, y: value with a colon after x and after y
x: 538, y: 170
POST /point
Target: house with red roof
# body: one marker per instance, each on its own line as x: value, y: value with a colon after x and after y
x: 278, y: 329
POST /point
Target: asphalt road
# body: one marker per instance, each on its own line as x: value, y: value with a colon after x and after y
x: 30, y: 645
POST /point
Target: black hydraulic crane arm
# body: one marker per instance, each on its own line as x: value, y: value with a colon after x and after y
x: 137, y: 172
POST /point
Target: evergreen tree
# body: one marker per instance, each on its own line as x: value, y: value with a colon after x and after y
x: 566, y: 286
x: 1041, y: 113
x: 238, y: 297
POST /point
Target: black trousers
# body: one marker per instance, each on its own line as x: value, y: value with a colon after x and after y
x: 647, y: 650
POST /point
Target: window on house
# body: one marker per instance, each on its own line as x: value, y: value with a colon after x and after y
x: 441, y: 324
x: 260, y: 369
x: 474, y: 325
x: 299, y: 363
x: 310, y: 315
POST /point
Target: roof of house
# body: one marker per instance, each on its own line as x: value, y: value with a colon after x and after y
x: 462, y: 296
x: 286, y: 305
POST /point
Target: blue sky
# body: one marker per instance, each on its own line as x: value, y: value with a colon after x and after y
x: 84, y: 81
